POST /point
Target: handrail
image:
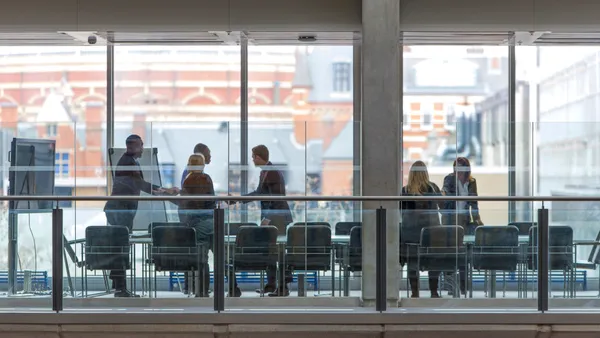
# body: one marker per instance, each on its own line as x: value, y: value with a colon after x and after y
x: 307, y: 198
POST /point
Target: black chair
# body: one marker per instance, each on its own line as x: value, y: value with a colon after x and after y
x: 148, y: 252
x: 354, y: 263
x: 496, y: 248
x: 308, y: 248
x: 255, y: 250
x: 174, y: 248
x: 560, y: 251
x: 523, y: 227
x: 351, y: 257
x: 232, y: 229
x: 106, y: 248
x: 442, y: 249
x: 344, y: 228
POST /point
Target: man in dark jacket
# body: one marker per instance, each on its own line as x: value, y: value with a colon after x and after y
x: 128, y: 180
x: 276, y: 213
x: 272, y: 183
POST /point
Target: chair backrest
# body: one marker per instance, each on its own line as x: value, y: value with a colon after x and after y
x: 356, y: 238
x: 344, y: 228
x: 174, y: 248
x: 497, y: 236
x: 232, y: 229
x: 173, y: 236
x: 496, y: 248
x: 153, y: 225
x: 315, y: 239
x: 558, y: 236
x: 560, y: 246
x: 256, y: 239
x: 523, y: 227
x: 106, y: 247
x: 447, y: 236
x: 312, y: 224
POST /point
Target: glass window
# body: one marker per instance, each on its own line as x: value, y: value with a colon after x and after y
x: 167, y: 171
x: 51, y: 130
x: 61, y: 165
x: 342, y: 77
x: 64, y: 191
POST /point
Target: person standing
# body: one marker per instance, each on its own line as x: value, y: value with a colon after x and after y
x: 202, y: 149
x: 128, y: 180
x: 417, y: 215
x: 199, y: 214
x: 463, y: 213
x: 277, y: 213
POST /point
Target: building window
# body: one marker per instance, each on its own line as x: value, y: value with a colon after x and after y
x: 51, y: 130
x: 167, y: 174
x: 426, y: 117
x: 64, y: 191
x: 406, y: 115
x: 341, y: 77
x: 495, y: 65
x: 61, y: 164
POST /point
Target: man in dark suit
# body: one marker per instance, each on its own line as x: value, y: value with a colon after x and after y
x: 128, y: 180
x: 276, y: 213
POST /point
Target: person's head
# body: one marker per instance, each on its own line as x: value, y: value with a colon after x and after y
x: 462, y: 169
x: 135, y: 145
x: 201, y: 148
x: 260, y: 155
x: 196, y: 163
x: 418, y: 178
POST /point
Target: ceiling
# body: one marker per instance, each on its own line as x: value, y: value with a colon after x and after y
x: 293, y: 38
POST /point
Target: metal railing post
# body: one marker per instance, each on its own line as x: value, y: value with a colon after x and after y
x: 380, y: 261
x: 542, y: 259
x: 219, y: 259
x: 57, y: 259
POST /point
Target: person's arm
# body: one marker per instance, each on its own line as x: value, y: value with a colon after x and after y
x: 273, y: 184
x: 211, y: 191
x: 127, y: 167
x: 260, y: 189
x: 403, y: 204
x: 183, y: 176
x: 436, y: 192
x: 474, y: 204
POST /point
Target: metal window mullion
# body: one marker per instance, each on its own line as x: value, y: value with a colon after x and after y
x: 356, y: 128
x: 244, y: 121
x: 110, y: 105
x: 512, y: 157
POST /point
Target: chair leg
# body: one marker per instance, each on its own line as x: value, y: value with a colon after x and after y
x: 504, y: 284
x: 262, y: 283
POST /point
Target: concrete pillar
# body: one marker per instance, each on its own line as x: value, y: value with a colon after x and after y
x: 381, y: 135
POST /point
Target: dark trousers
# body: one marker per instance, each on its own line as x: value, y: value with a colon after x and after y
x: 123, y: 217
x: 206, y: 244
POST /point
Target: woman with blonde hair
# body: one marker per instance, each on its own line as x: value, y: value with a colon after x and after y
x: 198, y: 213
x: 417, y: 215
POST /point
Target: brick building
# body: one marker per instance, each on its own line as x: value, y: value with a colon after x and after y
x: 300, y: 105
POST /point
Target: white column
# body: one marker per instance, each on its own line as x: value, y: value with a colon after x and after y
x: 381, y: 136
